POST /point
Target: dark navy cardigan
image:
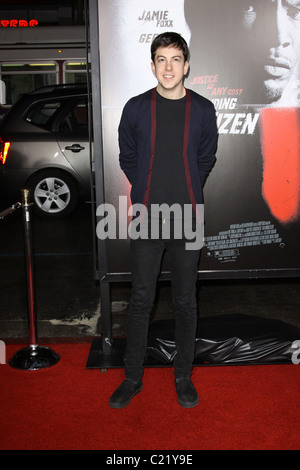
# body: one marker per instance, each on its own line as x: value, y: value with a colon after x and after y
x: 137, y: 132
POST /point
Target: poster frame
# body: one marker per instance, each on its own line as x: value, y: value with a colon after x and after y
x: 105, y: 277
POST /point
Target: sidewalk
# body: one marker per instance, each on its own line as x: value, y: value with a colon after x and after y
x: 68, y: 298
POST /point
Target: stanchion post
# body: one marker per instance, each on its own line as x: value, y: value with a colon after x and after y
x: 33, y: 357
x: 26, y: 206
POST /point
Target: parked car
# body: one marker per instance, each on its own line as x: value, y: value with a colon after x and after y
x: 44, y: 146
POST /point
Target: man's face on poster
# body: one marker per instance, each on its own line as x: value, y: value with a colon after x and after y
x: 273, y: 30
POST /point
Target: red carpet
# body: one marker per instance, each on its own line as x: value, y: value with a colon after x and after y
x: 66, y: 407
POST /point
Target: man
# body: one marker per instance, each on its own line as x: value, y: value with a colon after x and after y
x: 167, y: 139
x: 279, y: 58
x: 257, y: 43
x: 254, y: 51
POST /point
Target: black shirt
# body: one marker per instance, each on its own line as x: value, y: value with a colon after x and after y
x: 168, y: 181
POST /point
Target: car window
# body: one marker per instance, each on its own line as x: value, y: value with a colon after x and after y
x: 41, y: 113
x: 76, y: 120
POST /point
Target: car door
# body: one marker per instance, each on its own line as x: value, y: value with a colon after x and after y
x: 73, y: 140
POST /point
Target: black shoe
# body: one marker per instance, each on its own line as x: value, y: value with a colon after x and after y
x: 186, y: 392
x: 124, y: 393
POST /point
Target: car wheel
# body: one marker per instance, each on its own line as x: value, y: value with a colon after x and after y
x: 54, y: 193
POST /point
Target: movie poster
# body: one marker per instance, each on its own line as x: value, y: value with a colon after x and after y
x: 245, y: 59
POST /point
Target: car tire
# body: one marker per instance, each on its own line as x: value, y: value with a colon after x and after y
x: 54, y: 193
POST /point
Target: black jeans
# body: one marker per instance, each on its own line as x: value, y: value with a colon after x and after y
x: 146, y: 258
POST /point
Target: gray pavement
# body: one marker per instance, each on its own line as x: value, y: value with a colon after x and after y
x: 67, y: 304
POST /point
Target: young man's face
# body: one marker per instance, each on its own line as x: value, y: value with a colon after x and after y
x: 169, y: 67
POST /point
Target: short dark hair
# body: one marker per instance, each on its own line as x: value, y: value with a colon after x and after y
x: 170, y: 39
